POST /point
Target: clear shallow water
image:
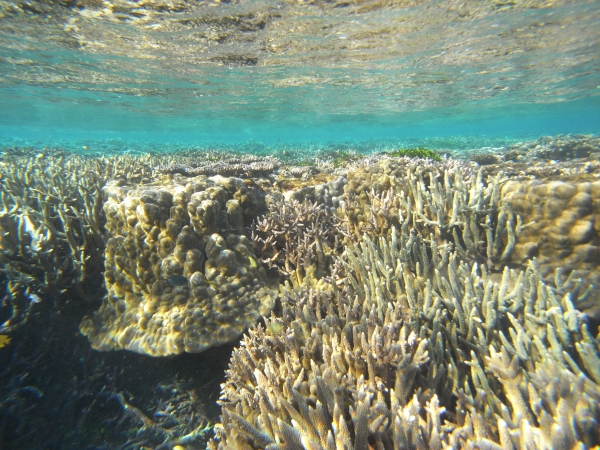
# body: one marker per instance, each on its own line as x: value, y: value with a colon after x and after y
x: 283, y: 77
x: 278, y: 73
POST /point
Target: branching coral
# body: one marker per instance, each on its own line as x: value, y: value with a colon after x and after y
x: 463, y: 211
x: 51, y: 217
x: 297, y: 239
x: 50, y: 220
x: 247, y: 166
x: 409, y: 350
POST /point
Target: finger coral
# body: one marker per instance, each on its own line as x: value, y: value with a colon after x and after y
x: 181, y: 275
x: 493, y: 220
x: 413, y: 348
x: 52, y: 223
x: 463, y: 210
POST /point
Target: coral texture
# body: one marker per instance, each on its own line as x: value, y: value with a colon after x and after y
x: 52, y: 226
x: 297, y: 239
x: 420, y: 335
x: 247, y: 166
x: 494, y: 220
x: 180, y: 273
x: 563, y: 223
x: 414, y: 351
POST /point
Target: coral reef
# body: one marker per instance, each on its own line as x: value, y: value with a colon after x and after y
x: 535, y: 169
x: 180, y: 273
x: 485, y: 158
x: 452, y: 320
x: 421, y: 303
x: 494, y: 220
x: 247, y: 166
x: 324, y: 193
x: 52, y: 225
x: 442, y: 205
x: 417, y: 351
x: 378, y: 173
x: 563, y: 148
x: 303, y: 172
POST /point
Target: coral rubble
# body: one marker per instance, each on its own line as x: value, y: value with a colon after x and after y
x: 180, y: 273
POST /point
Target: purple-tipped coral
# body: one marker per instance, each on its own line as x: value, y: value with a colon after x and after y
x: 297, y: 238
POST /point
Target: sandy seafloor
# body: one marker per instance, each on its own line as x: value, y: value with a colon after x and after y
x: 57, y: 392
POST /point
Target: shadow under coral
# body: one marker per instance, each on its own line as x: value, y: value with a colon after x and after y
x: 57, y: 392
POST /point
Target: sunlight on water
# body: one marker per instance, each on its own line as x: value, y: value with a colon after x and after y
x: 287, y: 72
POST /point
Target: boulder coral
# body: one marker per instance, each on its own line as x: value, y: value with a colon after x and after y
x: 564, y: 218
x: 180, y: 273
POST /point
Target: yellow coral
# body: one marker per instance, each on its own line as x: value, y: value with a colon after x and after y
x: 4, y: 340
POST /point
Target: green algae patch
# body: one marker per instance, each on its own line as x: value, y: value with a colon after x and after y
x: 418, y: 152
x: 342, y: 159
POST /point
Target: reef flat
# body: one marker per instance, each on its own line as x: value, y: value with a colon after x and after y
x: 396, y: 299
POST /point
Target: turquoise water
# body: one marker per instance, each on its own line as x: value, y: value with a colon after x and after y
x: 279, y: 73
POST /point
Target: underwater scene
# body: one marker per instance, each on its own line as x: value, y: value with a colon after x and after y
x: 299, y: 224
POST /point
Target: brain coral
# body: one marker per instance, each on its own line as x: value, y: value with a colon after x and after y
x: 180, y: 273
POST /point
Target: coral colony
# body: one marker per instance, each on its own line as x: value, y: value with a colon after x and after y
x: 389, y: 301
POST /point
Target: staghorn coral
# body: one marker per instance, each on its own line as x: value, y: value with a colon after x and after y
x: 52, y: 223
x: 490, y: 219
x: 413, y: 351
x: 465, y: 211
x: 297, y: 239
x: 180, y: 273
x: 373, y: 171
